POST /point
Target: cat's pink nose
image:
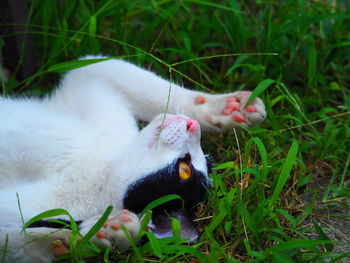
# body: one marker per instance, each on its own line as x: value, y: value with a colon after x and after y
x: 192, y: 125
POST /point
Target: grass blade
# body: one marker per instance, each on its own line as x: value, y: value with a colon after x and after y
x: 263, y: 155
x: 338, y: 259
x: 312, y: 66
x: 323, y: 236
x: 176, y: 228
x: 97, y: 226
x: 92, y: 25
x: 285, y: 246
x: 263, y: 85
x: 211, y: 4
x: 160, y: 201
x: 154, y: 244
x: 243, y: 212
x: 287, y: 167
x: 3, y: 250
x: 46, y: 214
x: 70, y: 65
x: 217, y: 220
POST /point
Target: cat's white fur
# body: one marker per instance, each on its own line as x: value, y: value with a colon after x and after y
x: 80, y: 148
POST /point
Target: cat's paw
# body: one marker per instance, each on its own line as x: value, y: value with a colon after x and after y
x: 111, y: 235
x: 222, y: 112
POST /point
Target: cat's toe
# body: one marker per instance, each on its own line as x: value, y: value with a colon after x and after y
x: 114, y: 230
x: 60, y: 243
x: 222, y: 122
x: 102, y: 240
x: 254, y: 113
x: 222, y: 112
x: 59, y: 248
x: 199, y: 100
x: 256, y: 116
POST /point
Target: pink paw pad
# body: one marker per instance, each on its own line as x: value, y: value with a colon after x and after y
x: 238, y: 118
x: 125, y: 219
x: 57, y: 244
x: 59, y: 249
x: 233, y: 105
x: 227, y: 112
x: 251, y: 108
x: 101, y: 234
x: 200, y: 100
x: 115, y: 226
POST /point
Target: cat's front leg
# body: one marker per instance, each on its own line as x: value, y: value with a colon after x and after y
x: 111, y: 235
x: 222, y: 112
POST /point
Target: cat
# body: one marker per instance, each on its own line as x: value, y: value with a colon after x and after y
x: 80, y: 149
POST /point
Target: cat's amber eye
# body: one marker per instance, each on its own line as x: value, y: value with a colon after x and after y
x: 184, y: 171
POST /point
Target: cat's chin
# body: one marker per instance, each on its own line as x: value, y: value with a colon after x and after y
x: 161, y: 225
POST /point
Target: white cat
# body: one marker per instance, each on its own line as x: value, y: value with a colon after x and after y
x: 80, y: 149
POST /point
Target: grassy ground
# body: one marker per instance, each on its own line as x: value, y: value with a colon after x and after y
x: 276, y: 186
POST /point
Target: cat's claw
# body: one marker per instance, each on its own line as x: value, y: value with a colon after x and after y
x: 222, y: 112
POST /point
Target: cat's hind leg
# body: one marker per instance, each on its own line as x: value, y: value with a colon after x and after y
x: 148, y: 95
x: 222, y: 112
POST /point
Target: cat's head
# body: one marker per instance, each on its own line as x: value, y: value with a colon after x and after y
x: 171, y: 162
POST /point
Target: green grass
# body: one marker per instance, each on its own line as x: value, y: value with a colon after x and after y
x: 295, y: 55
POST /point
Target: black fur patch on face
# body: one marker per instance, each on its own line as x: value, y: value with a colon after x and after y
x: 167, y: 181
x: 51, y: 224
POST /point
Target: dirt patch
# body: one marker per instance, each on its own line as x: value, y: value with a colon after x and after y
x: 333, y: 216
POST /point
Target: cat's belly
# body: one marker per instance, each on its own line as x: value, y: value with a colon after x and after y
x: 36, y: 143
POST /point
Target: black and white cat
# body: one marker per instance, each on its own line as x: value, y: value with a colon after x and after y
x: 80, y: 149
